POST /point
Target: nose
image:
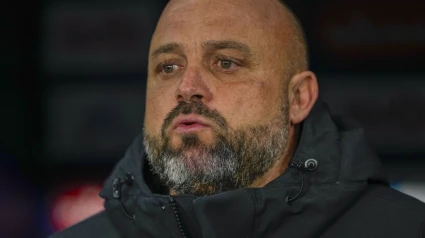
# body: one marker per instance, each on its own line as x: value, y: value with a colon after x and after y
x: 193, y: 87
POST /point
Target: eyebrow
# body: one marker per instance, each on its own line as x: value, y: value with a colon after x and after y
x: 227, y: 44
x: 167, y: 48
x: 207, y: 45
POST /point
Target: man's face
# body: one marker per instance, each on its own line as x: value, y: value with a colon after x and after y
x: 216, y: 107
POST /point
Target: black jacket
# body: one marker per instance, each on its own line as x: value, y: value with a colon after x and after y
x: 346, y: 196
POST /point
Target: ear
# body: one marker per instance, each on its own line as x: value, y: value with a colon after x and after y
x: 303, y: 93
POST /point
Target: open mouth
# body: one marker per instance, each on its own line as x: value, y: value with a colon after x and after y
x: 189, y: 124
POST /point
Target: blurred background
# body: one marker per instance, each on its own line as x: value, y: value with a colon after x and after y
x: 73, y: 80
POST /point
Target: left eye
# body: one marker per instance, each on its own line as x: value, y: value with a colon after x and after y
x: 226, y: 64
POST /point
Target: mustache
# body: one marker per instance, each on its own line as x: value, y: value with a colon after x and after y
x: 195, y: 107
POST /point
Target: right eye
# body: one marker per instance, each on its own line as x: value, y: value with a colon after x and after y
x: 169, y: 68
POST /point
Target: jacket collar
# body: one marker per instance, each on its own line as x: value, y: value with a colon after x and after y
x: 345, y: 166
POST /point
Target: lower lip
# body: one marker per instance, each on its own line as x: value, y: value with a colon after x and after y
x: 183, y: 128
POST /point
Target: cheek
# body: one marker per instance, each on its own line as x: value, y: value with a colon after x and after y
x: 157, y: 108
x: 250, y: 104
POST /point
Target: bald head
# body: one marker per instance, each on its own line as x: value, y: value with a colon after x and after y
x: 297, y: 54
x: 274, y: 15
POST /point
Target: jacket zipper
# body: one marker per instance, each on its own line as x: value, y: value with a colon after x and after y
x: 178, y: 218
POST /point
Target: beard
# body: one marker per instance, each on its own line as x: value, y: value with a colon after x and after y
x: 235, y: 159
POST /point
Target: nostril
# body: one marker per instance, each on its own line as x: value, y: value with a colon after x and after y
x: 197, y: 97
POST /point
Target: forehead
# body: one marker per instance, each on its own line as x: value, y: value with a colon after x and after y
x: 200, y: 20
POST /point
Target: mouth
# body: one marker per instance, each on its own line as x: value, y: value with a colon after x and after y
x: 189, y: 124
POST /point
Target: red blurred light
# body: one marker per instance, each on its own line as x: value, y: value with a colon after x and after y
x: 75, y: 205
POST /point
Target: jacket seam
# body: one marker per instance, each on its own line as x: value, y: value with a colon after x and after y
x: 254, y: 225
x: 390, y: 200
x: 293, y: 185
x: 341, y: 149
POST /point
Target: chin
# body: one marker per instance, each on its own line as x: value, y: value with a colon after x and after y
x: 191, y: 140
x: 192, y: 152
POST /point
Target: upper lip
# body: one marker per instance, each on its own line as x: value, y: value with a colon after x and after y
x: 185, y: 119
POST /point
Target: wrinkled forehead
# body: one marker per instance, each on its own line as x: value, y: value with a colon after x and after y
x: 217, y: 18
x: 207, y: 8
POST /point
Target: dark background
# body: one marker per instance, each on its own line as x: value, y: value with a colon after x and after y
x: 72, y: 94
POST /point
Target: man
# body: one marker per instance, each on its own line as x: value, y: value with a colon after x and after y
x: 236, y: 144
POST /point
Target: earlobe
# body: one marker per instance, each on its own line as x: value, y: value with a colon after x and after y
x: 303, y: 93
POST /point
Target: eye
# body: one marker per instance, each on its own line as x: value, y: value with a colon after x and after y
x: 169, y: 68
x: 226, y: 64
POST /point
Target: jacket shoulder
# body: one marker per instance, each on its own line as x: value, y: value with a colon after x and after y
x: 393, y: 197
x: 98, y: 225
x: 381, y: 212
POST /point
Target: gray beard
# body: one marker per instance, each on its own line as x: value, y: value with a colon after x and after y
x: 235, y: 160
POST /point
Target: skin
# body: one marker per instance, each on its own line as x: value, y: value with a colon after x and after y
x: 251, y: 91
